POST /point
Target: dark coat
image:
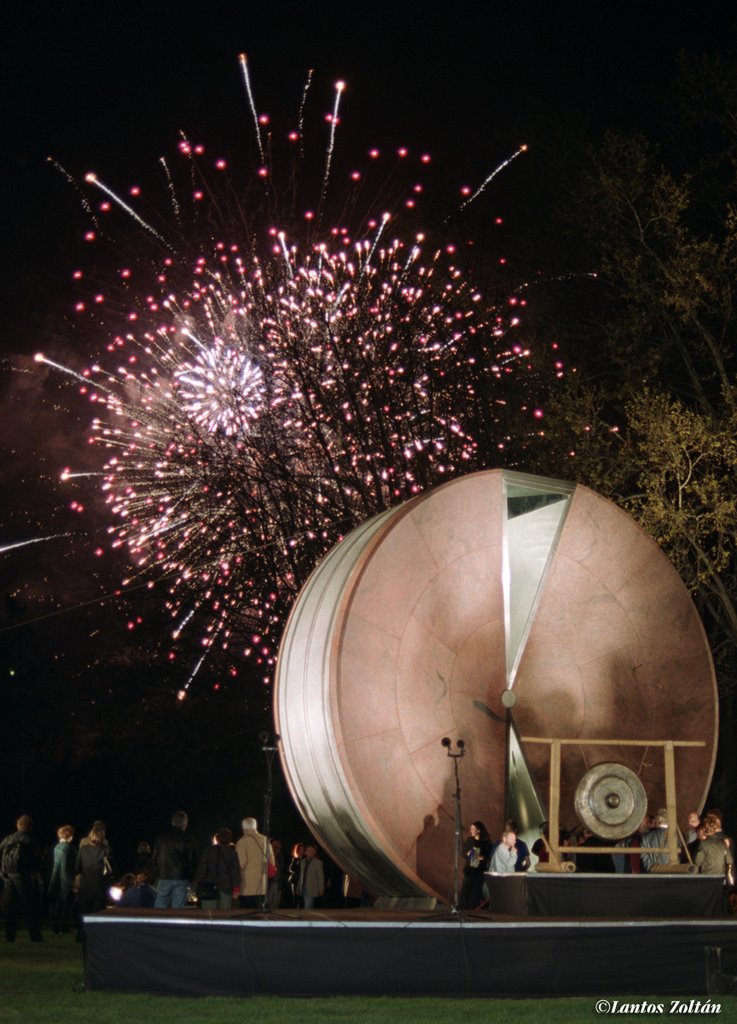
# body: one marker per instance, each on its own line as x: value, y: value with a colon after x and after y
x: 220, y: 866
x: 29, y: 857
x: 138, y: 896
x: 476, y: 863
x: 93, y: 879
x: 174, y: 855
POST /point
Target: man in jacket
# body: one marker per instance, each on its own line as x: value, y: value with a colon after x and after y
x: 19, y: 864
x: 656, y: 839
x: 311, y: 877
x: 174, y: 862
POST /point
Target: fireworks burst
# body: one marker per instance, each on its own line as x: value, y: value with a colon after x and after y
x: 222, y: 388
x: 266, y: 386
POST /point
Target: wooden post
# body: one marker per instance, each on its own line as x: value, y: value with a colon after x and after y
x: 554, y: 804
x: 670, y: 801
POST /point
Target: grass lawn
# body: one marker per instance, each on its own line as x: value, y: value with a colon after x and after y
x: 42, y: 984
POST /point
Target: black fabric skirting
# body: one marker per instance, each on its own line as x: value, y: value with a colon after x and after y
x: 594, y: 895
x: 237, y: 955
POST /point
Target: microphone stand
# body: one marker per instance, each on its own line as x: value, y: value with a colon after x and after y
x: 269, y: 749
x: 458, y: 838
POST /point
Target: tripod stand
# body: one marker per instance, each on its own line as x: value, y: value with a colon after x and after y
x: 458, y: 836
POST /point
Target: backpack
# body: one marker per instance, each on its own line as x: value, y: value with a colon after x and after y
x: 10, y: 862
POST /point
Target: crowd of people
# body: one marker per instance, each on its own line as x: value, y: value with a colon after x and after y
x: 703, y: 844
x: 61, y: 884
x: 65, y: 882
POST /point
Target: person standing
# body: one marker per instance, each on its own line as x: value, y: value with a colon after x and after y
x: 693, y: 824
x: 476, y: 854
x: 254, y: 856
x: 218, y: 876
x: 633, y: 860
x: 594, y: 863
x: 298, y: 853
x: 174, y: 862
x: 62, y: 880
x: 656, y: 839
x: 714, y: 851
x: 276, y: 882
x: 99, y: 826
x: 311, y: 877
x: 541, y: 846
x: 143, y: 857
x: 19, y: 866
x: 717, y: 815
x: 95, y: 870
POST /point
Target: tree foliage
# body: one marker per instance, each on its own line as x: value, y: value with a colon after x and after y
x: 650, y: 415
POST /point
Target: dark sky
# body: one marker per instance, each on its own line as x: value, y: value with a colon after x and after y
x: 107, y: 86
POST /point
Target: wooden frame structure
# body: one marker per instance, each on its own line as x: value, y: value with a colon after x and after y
x: 669, y: 759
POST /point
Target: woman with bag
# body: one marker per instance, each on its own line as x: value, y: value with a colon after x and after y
x: 254, y: 855
x: 476, y: 854
x: 218, y: 876
x: 95, y: 870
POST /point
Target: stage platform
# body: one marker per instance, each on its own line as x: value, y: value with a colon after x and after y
x: 366, y: 952
x: 584, y: 894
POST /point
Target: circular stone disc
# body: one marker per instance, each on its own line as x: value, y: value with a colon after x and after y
x: 610, y: 801
x: 412, y: 628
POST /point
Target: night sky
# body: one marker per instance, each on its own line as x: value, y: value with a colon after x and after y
x: 107, y: 87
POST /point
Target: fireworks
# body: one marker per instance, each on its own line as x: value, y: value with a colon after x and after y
x: 271, y: 379
x: 222, y: 388
x: 33, y: 540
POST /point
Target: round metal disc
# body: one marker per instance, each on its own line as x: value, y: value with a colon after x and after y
x: 610, y: 801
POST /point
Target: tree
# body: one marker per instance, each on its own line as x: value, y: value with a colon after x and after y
x: 647, y: 317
